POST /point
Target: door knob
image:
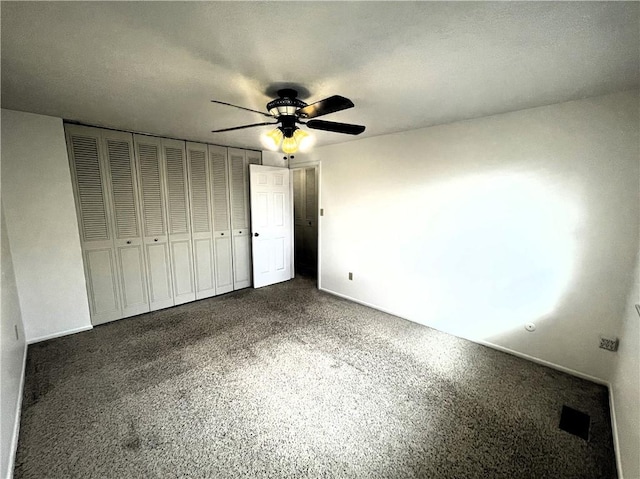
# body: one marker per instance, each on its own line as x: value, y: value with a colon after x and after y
x: 256, y: 234
x: 155, y: 239
x: 129, y: 242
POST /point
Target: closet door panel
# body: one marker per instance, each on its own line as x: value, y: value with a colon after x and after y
x: 90, y: 186
x: 239, y: 195
x: 242, y: 260
x: 224, y: 264
x: 200, y: 190
x: 102, y: 284
x: 154, y: 222
x: 298, y: 214
x: 88, y: 175
x: 128, y: 234
x: 179, y: 221
x: 238, y: 188
x: 204, y: 267
x: 181, y: 255
x: 221, y: 219
x: 160, y: 290
x: 133, y: 279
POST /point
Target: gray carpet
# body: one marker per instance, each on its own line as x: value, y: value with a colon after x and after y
x: 287, y: 381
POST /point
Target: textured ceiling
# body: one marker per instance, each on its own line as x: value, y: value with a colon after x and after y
x: 153, y: 67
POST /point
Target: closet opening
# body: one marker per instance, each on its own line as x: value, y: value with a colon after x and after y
x: 305, y: 207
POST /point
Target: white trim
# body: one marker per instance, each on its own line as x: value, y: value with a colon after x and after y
x: 59, y: 334
x: 543, y: 362
x: 572, y: 372
x: 302, y: 164
x: 16, y: 424
x: 549, y: 364
x: 614, y: 432
x: 364, y: 303
x: 319, y: 222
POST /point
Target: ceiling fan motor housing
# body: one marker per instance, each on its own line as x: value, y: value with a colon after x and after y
x: 288, y: 125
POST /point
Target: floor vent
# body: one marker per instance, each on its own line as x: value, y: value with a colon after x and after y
x: 575, y: 422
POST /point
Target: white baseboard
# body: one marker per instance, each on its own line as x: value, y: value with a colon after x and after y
x: 614, y: 432
x: 572, y: 372
x: 59, y: 334
x: 16, y: 423
x: 491, y: 345
x: 364, y: 303
x: 543, y: 362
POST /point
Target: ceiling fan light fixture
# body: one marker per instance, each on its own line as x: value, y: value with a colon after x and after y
x: 289, y: 145
x: 276, y: 136
x: 287, y: 110
x: 304, y: 140
x: 271, y: 140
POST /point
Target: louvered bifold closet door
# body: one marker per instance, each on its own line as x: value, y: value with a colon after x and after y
x: 127, y: 222
x: 180, y: 246
x: 154, y: 220
x: 218, y: 163
x: 88, y: 170
x: 200, y: 190
x: 239, y: 194
x: 299, y: 213
x: 310, y: 237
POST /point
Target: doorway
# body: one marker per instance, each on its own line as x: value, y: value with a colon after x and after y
x: 305, y: 210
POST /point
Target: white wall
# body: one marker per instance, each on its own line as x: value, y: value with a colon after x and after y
x: 626, y: 386
x: 42, y: 227
x: 478, y: 227
x: 13, y: 355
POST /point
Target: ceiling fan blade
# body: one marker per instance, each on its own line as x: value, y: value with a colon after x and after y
x: 347, y: 128
x: 244, y: 126
x: 324, y: 107
x: 242, y: 108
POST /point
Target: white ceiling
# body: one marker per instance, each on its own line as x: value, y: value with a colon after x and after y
x: 153, y: 67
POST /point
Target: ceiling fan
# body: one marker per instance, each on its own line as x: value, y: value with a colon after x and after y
x: 289, y: 112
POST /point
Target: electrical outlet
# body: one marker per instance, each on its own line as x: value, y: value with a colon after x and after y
x: 610, y: 344
x: 350, y: 276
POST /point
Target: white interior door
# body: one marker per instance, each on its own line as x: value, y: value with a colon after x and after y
x: 271, y: 224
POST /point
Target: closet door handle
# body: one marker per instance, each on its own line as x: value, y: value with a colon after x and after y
x: 256, y: 234
x: 128, y: 241
x: 155, y: 239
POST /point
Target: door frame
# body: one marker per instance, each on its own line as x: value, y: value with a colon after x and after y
x: 317, y: 164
